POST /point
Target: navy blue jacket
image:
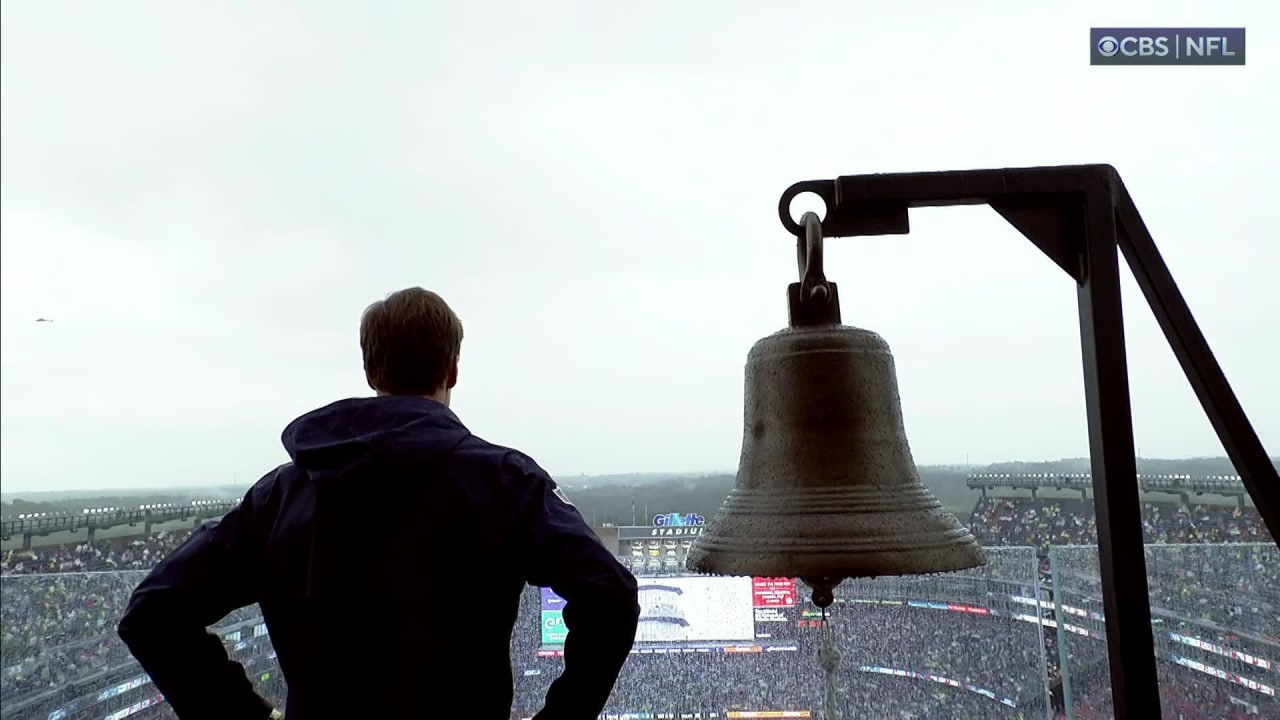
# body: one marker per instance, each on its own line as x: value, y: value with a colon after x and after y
x: 388, y: 559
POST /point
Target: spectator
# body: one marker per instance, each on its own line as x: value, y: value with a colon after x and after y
x: 286, y: 546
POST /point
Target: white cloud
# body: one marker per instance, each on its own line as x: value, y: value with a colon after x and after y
x: 204, y: 198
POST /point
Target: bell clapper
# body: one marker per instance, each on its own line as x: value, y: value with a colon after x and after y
x: 828, y: 656
x: 824, y: 593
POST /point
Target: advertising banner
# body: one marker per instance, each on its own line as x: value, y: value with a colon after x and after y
x: 553, y: 630
x: 551, y: 601
x: 643, y: 532
x: 773, y: 592
x: 553, y: 620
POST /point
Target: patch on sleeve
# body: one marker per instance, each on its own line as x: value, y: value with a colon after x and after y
x: 563, y: 498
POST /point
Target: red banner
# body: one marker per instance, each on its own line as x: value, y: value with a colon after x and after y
x: 961, y: 607
x: 773, y: 592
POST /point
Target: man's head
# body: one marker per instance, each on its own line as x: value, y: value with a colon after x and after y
x: 411, y: 343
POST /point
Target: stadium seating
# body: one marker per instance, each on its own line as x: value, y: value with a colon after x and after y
x: 986, y: 643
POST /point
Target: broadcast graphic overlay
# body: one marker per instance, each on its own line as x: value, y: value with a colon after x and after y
x: 1166, y: 46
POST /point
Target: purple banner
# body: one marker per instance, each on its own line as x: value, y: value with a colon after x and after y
x: 551, y: 601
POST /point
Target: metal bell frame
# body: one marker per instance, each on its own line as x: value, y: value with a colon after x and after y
x: 1077, y: 215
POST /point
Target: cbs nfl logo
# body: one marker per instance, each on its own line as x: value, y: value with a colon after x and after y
x: 1166, y: 46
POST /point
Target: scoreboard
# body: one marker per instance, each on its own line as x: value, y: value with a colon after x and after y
x: 729, y: 614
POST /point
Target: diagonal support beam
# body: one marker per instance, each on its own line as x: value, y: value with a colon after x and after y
x: 1189, y: 345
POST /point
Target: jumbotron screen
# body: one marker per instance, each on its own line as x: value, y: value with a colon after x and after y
x: 734, y: 614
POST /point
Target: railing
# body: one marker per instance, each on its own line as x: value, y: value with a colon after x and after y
x: 1083, y: 482
x: 48, y: 523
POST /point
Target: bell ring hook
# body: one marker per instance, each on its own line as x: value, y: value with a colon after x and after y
x: 813, y: 281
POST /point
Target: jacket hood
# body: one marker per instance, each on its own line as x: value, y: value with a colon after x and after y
x: 344, y: 435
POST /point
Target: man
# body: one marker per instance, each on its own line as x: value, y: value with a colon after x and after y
x: 388, y: 559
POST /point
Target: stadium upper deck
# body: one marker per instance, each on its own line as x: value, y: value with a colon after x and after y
x: 981, y: 644
x: 144, y: 517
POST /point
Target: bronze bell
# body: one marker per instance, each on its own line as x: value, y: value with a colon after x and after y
x: 826, y: 486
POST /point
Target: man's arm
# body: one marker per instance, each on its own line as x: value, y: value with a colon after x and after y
x: 601, y: 609
x: 198, y: 584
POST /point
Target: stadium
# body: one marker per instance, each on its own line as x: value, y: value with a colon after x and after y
x: 1022, y: 637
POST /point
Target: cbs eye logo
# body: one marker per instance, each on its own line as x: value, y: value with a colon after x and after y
x: 1108, y: 46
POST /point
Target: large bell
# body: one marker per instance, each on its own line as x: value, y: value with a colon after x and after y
x: 826, y: 487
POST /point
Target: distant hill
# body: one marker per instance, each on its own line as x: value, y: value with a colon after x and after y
x: 621, y: 503
x: 611, y: 498
x: 629, y: 479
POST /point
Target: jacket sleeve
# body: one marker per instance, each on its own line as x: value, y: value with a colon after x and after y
x: 165, y: 624
x: 601, y: 610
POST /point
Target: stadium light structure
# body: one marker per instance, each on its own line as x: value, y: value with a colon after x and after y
x: 30, y: 525
x: 1077, y: 215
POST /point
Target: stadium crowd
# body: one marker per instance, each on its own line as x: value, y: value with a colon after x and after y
x: 999, y: 655
x: 102, y: 556
x: 59, y: 650
x: 1044, y: 522
x: 1229, y: 588
x: 715, y: 683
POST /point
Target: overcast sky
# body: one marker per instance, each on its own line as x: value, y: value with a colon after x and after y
x: 204, y: 196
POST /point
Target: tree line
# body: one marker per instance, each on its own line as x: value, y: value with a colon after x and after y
x: 622, y: 500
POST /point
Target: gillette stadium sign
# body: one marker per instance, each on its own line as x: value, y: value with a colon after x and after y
x: 670, y: 525
x: 678, y: 520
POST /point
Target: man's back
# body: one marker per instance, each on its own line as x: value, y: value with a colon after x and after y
x: 388, y: 559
